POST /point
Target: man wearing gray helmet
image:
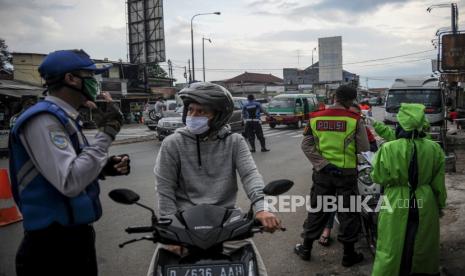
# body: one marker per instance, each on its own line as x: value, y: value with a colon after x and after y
x: 198, y: 163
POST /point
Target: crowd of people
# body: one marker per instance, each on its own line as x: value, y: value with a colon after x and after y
x: 55, y: 173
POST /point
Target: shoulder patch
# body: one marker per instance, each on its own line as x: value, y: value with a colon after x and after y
x: 59, y: 139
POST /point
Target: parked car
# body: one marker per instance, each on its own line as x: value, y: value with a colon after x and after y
x: 375, y: 101
x: 151, y: 117
x: 168, y: 124
x: 236, y: 121
x: 172, y: 120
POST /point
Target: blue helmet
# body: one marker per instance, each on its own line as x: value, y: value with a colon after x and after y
x: 64, y: 61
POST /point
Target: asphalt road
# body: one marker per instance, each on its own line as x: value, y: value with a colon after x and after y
x: 285, y: 160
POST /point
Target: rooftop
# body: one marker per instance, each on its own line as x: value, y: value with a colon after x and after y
x: 254, y: 78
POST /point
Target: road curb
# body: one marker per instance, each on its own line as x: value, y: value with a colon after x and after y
x: 134, y: 140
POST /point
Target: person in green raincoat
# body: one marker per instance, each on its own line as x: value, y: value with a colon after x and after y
x: 388, y: 133
x: 411, y: 170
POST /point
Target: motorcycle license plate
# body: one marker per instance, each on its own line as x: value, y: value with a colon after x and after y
x: 210, y: 270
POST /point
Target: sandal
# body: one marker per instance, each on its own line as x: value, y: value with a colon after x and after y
x: 324, y: 241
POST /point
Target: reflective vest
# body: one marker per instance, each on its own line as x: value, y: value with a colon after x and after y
x: 41, y: 204
x: 334, y: 130
x: 252, y: 110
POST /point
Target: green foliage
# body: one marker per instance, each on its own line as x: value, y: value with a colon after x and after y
x: 5, y: 57
x: 155, y: 71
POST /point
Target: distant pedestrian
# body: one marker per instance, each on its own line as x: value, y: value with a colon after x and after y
x: 160, y: 105
x: 253, y: 127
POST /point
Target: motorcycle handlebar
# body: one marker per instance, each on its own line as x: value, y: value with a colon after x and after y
x: 141, y: 229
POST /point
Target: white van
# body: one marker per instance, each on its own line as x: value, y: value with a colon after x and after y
x: 425, y: 91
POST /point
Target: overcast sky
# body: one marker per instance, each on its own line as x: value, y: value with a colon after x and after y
x: 260, y: 36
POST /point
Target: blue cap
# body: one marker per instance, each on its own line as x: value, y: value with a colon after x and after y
x: 64, y: 61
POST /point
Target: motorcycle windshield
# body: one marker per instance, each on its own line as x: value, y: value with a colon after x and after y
x: 205, y: 226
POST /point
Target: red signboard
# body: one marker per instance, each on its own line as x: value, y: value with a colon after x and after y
x: 453, y: 52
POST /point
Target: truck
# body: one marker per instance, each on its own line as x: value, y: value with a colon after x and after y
x: 426, y: 91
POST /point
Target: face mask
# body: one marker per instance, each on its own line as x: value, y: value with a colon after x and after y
x: 197, y: 125
x: 90, y: 88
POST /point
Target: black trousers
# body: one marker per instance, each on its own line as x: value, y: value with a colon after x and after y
x: 326, y: 184
x: 252, y: 129
x: 58, y: 250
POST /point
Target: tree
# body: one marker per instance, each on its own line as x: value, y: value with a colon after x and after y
x: 5, y: 57
x: 155, y: 71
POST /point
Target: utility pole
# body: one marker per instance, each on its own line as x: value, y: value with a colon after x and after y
x: 203, y: 55
x: 170, y: 69
x: 185, y: 73
x: 298, y: 58
x: 314, y: 49
x: 454, y: 17
x: 190, y: 75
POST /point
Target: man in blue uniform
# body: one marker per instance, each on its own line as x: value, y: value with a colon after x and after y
x: 55, y: 171
x: 251, y: 112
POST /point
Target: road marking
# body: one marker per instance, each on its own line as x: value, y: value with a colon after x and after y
x: 296, y: 136
x: 279, y: 133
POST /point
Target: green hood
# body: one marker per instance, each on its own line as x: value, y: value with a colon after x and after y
x: 412, y: 117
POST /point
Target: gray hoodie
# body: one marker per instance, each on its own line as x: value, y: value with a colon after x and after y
x: 190, y: 171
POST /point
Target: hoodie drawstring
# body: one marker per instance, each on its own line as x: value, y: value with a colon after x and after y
x: 198, y: 151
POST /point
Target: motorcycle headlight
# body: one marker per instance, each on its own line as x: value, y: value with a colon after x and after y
x: 364, y: 176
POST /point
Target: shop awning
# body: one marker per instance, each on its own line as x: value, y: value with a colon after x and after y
x: 18, y: 89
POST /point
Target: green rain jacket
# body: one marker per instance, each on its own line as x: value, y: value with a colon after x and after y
x: 390, y: 169
x: 389, y: 134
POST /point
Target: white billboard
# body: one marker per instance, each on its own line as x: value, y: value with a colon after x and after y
x: 330, y: 59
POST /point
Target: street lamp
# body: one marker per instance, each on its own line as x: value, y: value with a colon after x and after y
x: 314, y: 49
x: 192, y: 40
x: 203, y: 55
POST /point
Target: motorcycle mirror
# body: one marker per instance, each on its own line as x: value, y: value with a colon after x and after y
x: 278, y: 187
x: 124, y: 196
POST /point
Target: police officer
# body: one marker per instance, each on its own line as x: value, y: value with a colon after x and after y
x: 251, y: 112
x: 55, y: 171
x: 332, y: 139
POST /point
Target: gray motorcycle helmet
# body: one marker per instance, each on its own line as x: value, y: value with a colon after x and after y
x: 212, y: 95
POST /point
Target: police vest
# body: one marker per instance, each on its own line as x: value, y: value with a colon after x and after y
x: 41, y: 204
x: 252, y: 110
x: 335, y: 131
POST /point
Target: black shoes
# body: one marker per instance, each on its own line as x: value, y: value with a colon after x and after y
x: 303, y: 252
x: 252, y: 150
x: 351, y: 259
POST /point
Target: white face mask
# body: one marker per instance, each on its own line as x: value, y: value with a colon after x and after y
x: 197, y: 125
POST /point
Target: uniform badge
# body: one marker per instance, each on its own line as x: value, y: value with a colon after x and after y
x: 331, y: 125
x: 59, y: 139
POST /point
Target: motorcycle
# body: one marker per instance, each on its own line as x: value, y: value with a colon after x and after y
x: 202, y: 230
x: 366, y: 188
